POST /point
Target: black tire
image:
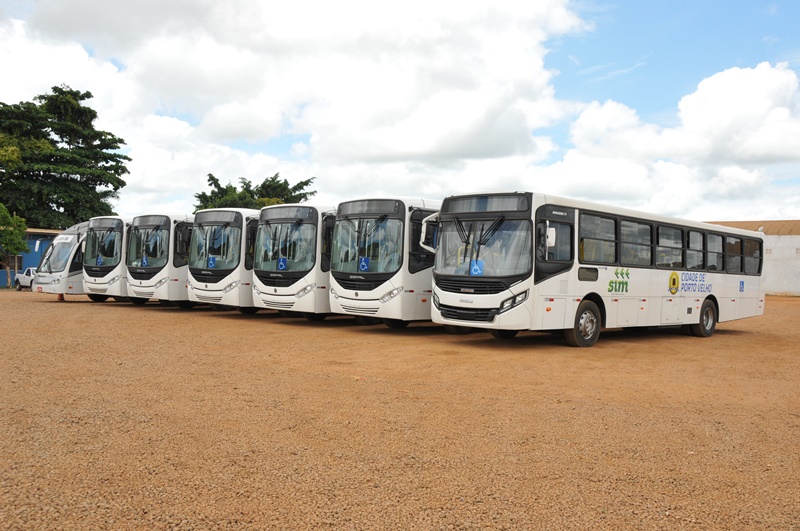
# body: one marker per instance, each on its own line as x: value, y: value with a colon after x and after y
x: 708, y: 320
x: 367, y: 321
x: 186, y: 305
x: 17, y: 285
x: 94, y: 297
x: 504, y: 334
x: 314, y: 317
x: 395, y: 323
x: 138, y: 301
x: 247, y: 310
x: 586, y: 329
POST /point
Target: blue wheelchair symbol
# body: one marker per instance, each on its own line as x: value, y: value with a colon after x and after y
x: 99, y: 260
x: 281, y: 264
x: 741, y: 286
x: 144, y: 261
x: 363, y: 263
x: 212, y: 261
x: 476, y: 268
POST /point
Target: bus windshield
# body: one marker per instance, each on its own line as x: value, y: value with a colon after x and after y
x: 285, y: 246
x: 103, y: 247
x: 367, y: 245
x: 215, y: 246
x: 57, y: 256
x: 492, y: 247
x: 148, y: 247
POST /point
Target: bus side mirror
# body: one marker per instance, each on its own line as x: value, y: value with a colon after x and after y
x: 430, y: 229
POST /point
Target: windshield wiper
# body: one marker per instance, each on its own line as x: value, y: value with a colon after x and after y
x: 375, y: 225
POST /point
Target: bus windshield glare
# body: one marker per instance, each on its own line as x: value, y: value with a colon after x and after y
x: 148, y: 246
x: 57, y: 255
x: 367, y: 245
x: 285, y: 246
x: 103, y: 246
x: 215, y: 246
x: 492, y: 247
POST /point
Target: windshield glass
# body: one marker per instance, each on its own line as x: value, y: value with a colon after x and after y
x: 491, y: 247
x: 285, y: 246
x: 56, y: 257
x: 148, y: 247
x: 367, y: 245
x: 215, y: 247
x: 103, y: 247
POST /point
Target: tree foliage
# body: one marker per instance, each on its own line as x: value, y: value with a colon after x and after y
x: 56, y: 169
x: 272, y: 191
x: 12, y: 239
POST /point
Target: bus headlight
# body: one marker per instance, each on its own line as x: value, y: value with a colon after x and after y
x: 516, y: 300
x: 233, y: 285
x: 256, y: 290
x: 391, y: 295
x: 116, y: 278
x: 436, y: 300
x: 334, y: 294
x: 161, y: 282
x: 305, y: 291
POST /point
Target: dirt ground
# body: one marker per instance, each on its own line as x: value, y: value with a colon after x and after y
x: 114, y: 416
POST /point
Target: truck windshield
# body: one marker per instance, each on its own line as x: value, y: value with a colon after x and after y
x: 285, y: 246
x: 57, y: 256
x: 367, y: 245
x: 148, y: 247
x: 103, y: 247
x: 493, y: 247
x: 215, y: 246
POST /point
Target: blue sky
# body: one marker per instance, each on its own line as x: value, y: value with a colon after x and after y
x: 681, y: 108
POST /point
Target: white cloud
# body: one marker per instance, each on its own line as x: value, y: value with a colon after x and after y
x: 420, y: 98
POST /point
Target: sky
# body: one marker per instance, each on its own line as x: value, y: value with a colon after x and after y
x: 681, y: 108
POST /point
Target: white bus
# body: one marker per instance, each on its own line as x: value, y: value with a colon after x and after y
x: 221, y: 257
x: 60, y: 270
x: 104, y: 271
x: 528, y: 261
x: 292, y: 262
x: 379, y: 271
x: 158, y: 259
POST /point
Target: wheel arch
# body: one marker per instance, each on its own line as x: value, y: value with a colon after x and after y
x: 598, y: 300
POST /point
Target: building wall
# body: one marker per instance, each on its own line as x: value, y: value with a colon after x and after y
x: 782, y: 265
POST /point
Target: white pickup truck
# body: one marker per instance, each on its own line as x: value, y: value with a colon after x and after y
x: 25, y: 279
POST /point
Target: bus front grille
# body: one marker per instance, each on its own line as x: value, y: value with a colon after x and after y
x: 279, y: 305
x: 485, y: 315
x: 360, y: 285
x: 95, y: 289
x: 144, y: 294
x: 359, y: 310
x: 209, y: 298
x: 452, y: 285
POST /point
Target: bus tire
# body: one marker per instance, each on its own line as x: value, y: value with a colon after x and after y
x: 94, y: 297
x: 186, y: 305
x: 457, y: 330
x: 395, y: 323
x: 586, y: 329
x: 503, y: 334
x: 138, y: 300
x: 708, y: 320
x: 247, y: 310
x: 314, y: 317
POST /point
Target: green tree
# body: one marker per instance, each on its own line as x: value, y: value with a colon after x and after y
x: 12, y: 239
x: 56, y: 169
x: 272, y: 191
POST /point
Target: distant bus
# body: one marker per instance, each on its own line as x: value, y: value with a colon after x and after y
x: 379, y: 271
x: 158, y: 258
x: 104, y: 271
x: 221, y: 257
x: 529, y: 261
x: 292, y: 262
x: 60, y: 270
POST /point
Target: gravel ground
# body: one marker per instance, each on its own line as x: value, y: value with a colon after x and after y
x: 114, y: 416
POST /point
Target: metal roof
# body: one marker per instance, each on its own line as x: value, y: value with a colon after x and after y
x: 788, y: 227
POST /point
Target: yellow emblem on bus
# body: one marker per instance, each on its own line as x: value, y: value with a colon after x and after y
x: 674, y: 282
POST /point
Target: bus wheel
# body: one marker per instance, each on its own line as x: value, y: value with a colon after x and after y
x: 97, y: 298
x: 504, y: 334
x: 395, y: 323
x: 314, y: 317
x: 367, y: 321
x: 138, y: 300
x: 185, y: 305
x: 457, y: 330
x: 708, y: 320
x: 587, y: 326
x: 247, y: 310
